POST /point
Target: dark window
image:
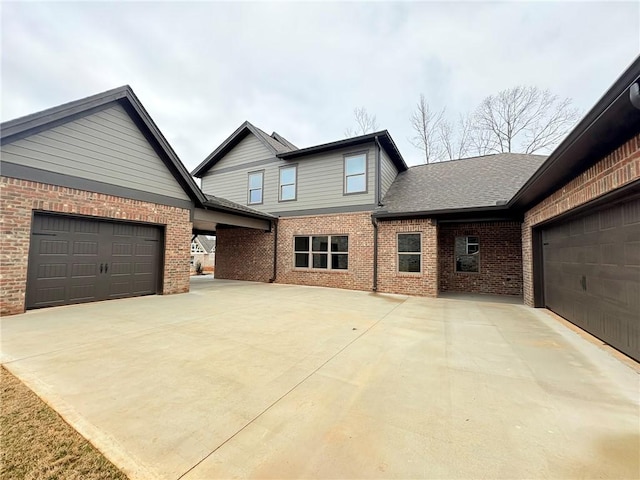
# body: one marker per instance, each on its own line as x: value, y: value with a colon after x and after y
x: 467, y: 252
x: 326, y: 252
x: 409, y: 252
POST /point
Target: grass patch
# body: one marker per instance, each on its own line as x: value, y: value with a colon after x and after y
x: 38, y: 444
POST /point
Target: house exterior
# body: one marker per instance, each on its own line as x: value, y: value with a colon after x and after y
x: 562, y: 231
x: 203, y: 252
x: 351, y: 214
x: 96, y: 205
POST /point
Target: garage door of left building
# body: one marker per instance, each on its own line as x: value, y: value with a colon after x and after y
x: 79, y: 259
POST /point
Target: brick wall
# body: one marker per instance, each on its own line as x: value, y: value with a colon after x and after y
x: 244, y: 254
x: 618, y: 168
x: 357, y: 226
x: 392, y: 281
x: 18, y: 198
x: 500, y: 265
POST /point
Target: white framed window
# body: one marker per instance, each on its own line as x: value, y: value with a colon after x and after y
x: 325, y: 252
x: 196, y: 248
x: 256, y: 186
x: 355, y: 173
x: 467, y: 253
x: 288, y: 183
x: 410, y: 252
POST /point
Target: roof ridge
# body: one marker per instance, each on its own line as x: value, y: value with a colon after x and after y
x: 477, y: 157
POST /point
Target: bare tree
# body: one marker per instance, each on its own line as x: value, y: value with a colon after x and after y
x: 426, y: 124
x: 365, y: 123
x: 523, y: 119
x: 456, y: 142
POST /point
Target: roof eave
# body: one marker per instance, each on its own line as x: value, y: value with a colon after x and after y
x: 214, y: 206
x: 350, y: 142
x: 611, y: 121
x: 442, y: 212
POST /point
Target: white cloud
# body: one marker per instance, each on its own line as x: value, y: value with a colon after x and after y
x: 201, y: 69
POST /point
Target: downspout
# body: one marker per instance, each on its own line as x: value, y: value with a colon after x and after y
x: 378, y: 186
x: 374, y: 222
x: 275, y: 251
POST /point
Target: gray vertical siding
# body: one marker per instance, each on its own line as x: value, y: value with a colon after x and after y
x: 320, y: 182
x: 388, y: 173
x: 106, y: 147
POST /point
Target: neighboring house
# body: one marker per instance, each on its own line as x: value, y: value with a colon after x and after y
x: 562, y: 231
x: 203, y: 251
x: 96, y: 205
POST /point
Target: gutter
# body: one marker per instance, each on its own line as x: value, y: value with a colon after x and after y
x: 431, y: 213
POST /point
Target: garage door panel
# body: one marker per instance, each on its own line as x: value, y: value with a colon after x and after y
x: 74, y: 260
x: 591, y: 273
x: 632, y: 254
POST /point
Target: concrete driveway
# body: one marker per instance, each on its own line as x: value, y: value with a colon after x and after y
x: 239, y: 379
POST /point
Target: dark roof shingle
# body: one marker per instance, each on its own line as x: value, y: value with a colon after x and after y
x: 485, y: 181
x: 225, y: 204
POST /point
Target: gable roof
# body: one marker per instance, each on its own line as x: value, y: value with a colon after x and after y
x: 270, y: 142
x: 383, y: 137
x: 207, y: 244
x: 486, y: 182
x: 46, y: 119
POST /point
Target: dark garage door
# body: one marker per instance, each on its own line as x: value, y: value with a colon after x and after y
x: 75, y: 260
x: 592, y: 274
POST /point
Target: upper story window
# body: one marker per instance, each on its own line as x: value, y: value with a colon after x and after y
x: 467, y: 250
x: 409, y: 252
x: 288, y: 177
x: 256, y: 186
x: 355, y: 173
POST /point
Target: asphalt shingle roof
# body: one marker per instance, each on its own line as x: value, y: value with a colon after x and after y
x: 279, y: 147
x: 228, y: 204
x: 484, y: 181
x: 209, y: 244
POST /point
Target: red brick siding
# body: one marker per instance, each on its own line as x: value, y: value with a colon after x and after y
x: 392, y: 281
x: 244, y: 254
x: 500, y: 258
x: 18, y: 198
x: 357, y: 226
x: 618, y: 168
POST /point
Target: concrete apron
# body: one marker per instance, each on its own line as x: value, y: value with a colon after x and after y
x: 239, y: 379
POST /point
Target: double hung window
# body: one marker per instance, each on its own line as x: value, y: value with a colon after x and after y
x: 467, y: 251
x: 288, y: 179
x: 409, y: 252
x: 256, y: 187
x: 355, y: 173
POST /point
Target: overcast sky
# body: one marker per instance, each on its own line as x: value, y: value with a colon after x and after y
x: 202, y: 68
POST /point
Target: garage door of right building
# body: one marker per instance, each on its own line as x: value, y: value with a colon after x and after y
x: 591, y: 273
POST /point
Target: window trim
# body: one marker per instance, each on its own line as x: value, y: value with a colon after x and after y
x: 249, y: 202
x: 398, y: 253
x: 310, y: 267
x: 366, y: 172
x: 466, y: 249
x: 295, y: 184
